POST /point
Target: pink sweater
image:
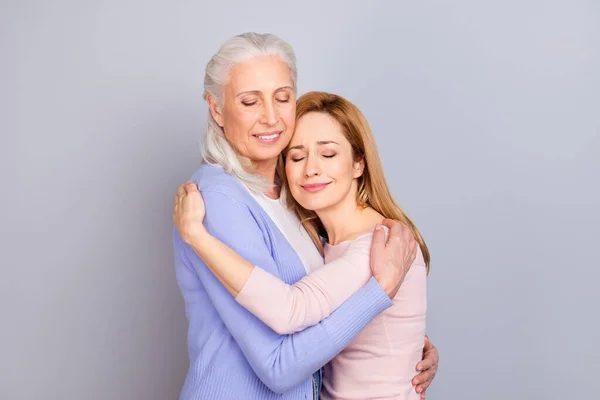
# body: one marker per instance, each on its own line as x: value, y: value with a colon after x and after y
x: 380, y: 362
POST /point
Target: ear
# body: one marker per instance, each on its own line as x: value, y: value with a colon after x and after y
x: 215, y: 110
x: 359, y: 168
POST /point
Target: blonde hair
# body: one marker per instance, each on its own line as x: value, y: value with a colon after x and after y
x: 215, y: 148
x: 373, y: 190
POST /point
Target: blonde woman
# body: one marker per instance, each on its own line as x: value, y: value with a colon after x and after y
x: 338, y: 191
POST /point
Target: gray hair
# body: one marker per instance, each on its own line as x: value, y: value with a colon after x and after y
x: 237, y: 50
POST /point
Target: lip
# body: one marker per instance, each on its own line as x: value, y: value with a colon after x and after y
x: 315, y: 187
x: 268, y: 137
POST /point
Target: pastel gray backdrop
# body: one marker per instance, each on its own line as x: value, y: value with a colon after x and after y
x: 487, y: 119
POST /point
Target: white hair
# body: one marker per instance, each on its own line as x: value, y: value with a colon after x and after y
x: 237, y: 50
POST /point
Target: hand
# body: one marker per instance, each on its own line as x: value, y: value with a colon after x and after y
x: 189, y: 212
x: 391, y: 260
x: 428, y: 367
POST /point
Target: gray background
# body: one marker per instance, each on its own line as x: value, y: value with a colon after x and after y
x: 487, y: 118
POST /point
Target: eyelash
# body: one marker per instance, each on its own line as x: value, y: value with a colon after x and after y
x: 300, y: 159
x: 254, y: 102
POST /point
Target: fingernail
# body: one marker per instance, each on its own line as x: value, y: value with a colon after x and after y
x: 377, y: 227
x: 419, y: 390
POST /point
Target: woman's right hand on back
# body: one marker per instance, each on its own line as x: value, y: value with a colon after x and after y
x: 189, y: 212
x: 391, y: 259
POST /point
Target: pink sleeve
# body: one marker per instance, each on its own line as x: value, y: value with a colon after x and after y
x: 291, y: 308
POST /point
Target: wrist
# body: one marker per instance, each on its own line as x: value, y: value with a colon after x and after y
x: 388, y: 287
x: 197, y: 238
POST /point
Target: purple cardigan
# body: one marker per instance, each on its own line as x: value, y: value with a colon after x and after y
x: 233, y: 355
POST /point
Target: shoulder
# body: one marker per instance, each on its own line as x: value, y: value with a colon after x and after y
x: 213, y: 179
x: 230, y: 207
x: 419, y: 258
x: 367, y: 237
x: 359, y: 246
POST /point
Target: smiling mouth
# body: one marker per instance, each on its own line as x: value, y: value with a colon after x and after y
x: 315, y: 187
x: 268, y: 137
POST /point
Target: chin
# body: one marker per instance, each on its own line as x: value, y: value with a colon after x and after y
x: 315, y: 203
x: 266, y: 154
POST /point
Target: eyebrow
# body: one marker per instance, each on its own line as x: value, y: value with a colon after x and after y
x: 320, y: 143
x: 258, y: 92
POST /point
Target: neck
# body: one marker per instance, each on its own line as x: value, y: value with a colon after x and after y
x: 347, y: 220
x: 267, y: 169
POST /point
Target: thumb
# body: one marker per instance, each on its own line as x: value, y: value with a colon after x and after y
x: 378, y: 242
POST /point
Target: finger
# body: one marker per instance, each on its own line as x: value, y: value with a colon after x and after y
x: 425, y: 364
x: 421, y: 388
x: 378, y: 241
x: 181, y: 191
x: 423, y: 380
x: 408, y: 236
x: 178, y: 197
x: 427, y: 346
x: 413, y: 253
x: 395, y: 228
x: 190, y: 187
x: 430, y: 352
x: 392, y: 224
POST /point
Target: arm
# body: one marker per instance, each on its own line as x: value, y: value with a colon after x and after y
x: 302, y: 304
x: 285, y: 308
x: 291, y: 308
x: 281, y: 362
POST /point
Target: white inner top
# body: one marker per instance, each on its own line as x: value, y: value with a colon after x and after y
x: 289, y: 225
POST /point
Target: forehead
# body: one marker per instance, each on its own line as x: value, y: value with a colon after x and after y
x: 317, y: 126
x: 260, y: 73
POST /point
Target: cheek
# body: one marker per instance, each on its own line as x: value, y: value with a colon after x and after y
x: 291, y: 172
x: 288, y: 116
x: 239, y: 123
x: 341, y: 169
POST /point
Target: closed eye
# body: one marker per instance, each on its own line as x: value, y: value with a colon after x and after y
x: 297, y: 159
x: 249, y: 104
x: 329, y: 156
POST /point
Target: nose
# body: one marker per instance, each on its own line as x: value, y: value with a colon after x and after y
x: 270, y: 114
x: 311, y: 167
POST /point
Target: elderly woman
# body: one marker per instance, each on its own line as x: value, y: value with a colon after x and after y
x: 250, y: 87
